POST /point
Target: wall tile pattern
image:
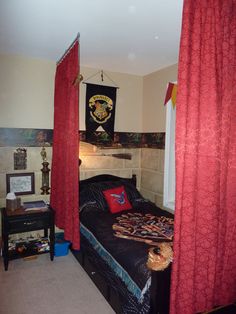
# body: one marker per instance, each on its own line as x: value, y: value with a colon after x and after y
x: 146, y: 163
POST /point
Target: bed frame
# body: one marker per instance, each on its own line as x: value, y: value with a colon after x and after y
x: 160, y: 287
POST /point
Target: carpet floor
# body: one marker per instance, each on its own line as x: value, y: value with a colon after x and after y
x: 41, y: 286
x: 60, y: 287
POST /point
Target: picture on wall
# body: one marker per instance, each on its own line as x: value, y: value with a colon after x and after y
x: 20, y: 183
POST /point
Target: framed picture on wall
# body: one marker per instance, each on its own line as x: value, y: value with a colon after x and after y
x: 20, y: 183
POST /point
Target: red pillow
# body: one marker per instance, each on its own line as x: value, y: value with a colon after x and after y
x: 117, y: 199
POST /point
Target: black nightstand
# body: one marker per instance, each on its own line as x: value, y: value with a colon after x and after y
x: 19, y: 221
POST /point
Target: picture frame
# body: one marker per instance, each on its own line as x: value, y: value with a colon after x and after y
x: 20, y: 183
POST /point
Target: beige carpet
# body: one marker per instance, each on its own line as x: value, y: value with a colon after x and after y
x: 43, y: 287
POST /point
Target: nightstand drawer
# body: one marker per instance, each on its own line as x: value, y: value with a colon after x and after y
x: 30, y: 224
x: 21, y: 221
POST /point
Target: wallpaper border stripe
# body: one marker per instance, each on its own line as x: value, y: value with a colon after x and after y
x: 11, y: 137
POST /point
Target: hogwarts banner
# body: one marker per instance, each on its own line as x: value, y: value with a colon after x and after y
x: 100, y: 109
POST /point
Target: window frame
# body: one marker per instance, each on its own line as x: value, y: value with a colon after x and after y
x: 169, y: 165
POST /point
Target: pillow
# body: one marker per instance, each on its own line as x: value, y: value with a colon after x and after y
x: 93, y: 192
x: 117, y: 199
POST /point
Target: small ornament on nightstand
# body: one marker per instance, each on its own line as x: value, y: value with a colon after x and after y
x: 45, y: 172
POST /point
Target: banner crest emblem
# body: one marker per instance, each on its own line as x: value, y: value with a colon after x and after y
x: 101, y: 108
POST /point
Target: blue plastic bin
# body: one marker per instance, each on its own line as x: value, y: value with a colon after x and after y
x: 61, y: 246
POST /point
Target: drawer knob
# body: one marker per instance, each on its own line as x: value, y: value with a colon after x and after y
x: 29, y: 223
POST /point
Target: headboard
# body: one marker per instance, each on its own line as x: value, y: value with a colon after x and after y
x: 107, y: 177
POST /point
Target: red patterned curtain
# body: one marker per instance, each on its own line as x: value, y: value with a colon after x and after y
x: 64, y: 177
x: 204, y: 267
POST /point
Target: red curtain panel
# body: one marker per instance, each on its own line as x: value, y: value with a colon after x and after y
x: 204, y: 266
x: 64, y: 176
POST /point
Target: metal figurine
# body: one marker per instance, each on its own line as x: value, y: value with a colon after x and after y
x: 43, y: 154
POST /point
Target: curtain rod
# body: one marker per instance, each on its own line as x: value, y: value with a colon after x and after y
x: 69, y: 48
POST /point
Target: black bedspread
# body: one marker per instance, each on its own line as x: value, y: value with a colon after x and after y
x: 127, y: 258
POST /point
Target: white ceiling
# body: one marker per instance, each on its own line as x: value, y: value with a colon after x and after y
x: 129, y: 36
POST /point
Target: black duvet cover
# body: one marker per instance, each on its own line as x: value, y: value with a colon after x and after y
x: 127, y: 258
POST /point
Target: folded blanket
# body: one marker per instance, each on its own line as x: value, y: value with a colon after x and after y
x: 146, y: 228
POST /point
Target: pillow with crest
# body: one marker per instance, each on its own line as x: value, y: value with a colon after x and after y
x: 117, y: 199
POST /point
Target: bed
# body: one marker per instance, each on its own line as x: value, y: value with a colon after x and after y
x: 118, y: 230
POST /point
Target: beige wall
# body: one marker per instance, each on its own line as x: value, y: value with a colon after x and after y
x: 154, y: 120
x: 26, y: 101
x: 94, y: 165
x: 34, y: 164
x: 154, y: 90
x: 129, y: 98
x: 27, y: 92
x: 152, y: 174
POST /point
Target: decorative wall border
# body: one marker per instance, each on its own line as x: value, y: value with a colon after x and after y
x: 25, y: 137
x: 44, y: 137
